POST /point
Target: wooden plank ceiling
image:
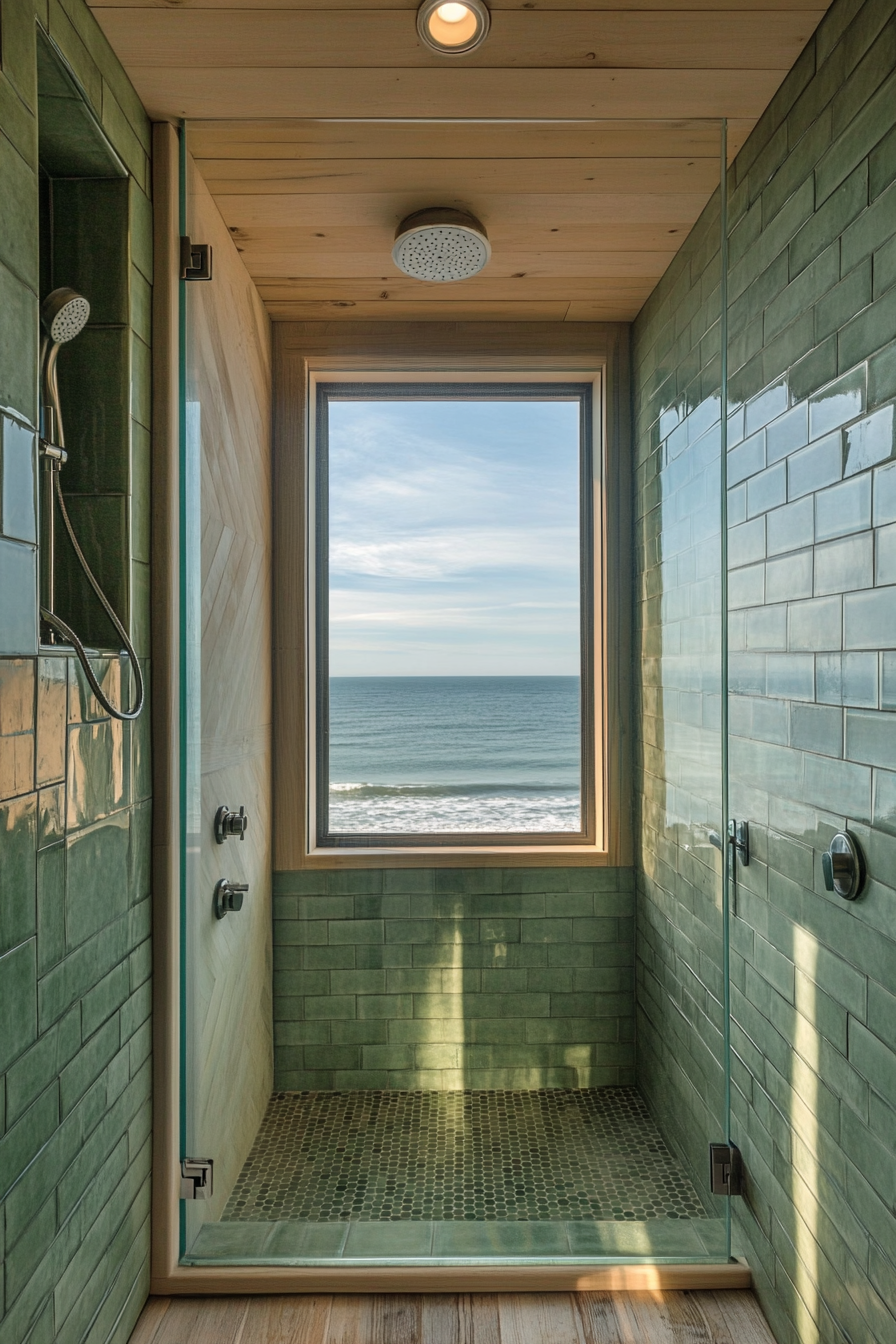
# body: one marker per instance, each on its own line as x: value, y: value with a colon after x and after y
x: 583, y: 133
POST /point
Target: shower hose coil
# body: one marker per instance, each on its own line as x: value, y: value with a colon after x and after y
x: 56, y: 623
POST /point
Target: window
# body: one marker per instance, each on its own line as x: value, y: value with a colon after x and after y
x: 453, y: 598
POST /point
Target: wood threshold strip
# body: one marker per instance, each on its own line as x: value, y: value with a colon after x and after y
x: 215, y: 1281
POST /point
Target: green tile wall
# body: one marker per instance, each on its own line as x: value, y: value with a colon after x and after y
x: 453, y: 978
x: 812, y: 505
x: 74, y: 797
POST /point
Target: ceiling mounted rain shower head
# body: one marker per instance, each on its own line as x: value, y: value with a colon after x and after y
x: 441, y: 244
x: 64, y: 314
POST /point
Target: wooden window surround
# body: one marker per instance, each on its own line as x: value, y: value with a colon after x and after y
x: 307, y: 354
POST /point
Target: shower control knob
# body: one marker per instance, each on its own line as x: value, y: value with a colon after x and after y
x: 229, y: 897
x: 843, y: 867
x: 229, y: 824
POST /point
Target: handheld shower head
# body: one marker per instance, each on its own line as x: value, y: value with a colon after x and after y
x: 64, y: 314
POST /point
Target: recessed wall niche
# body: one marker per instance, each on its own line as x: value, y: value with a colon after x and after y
x: 84, y: 244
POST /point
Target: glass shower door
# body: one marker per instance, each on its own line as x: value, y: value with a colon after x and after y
x: 225, y: 716
x: 659, y: 1206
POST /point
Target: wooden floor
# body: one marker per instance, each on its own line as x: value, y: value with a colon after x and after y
x: 507, y: 1318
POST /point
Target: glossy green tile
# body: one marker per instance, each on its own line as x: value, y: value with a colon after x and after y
x: 90, y: 246
x: 870, y: 441
x: 141, y: 229
x: 50, y: 815
x: 18, y: 599
x: 838, y: 403
x: 52, y: 700
x: 867, y: 332
x: 657, y: 1237
x: 500, y: 1239
x: 811, y: 468
x: 841, y: 566
x: 16, y: 765
x: 18, y: 826
x: 140, y: 853
x: 388, y: 1240
x: 96, y: 878
x: 788, y: 433
x: 830, y: 220
x: 884, y: 801
x: 18, y: 485
x: 141, y: 382
x: 100, y: 524
x: 16, y: 695
x: 306, y: 1241
x: 847, y: 679
x: 871, y: 737
x: 94, y: 390
x: 843, y: 508
x: 127, y: 141
x: 98, y: 773
x: 18, y: 985
x: 228, y: 1242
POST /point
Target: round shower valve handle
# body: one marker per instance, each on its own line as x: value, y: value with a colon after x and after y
x: 229, y: 824
x: 843, y: 867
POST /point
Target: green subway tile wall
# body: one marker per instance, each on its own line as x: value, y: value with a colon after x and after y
x: 812, y: 596
x: 74, y: 786
x: 453, y: 978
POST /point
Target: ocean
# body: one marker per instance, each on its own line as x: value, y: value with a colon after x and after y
x: 423, y: 754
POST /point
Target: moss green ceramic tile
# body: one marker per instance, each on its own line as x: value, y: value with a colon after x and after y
x: 50, y: 815
x: 500, y: 1239
x: 123, y: 136
x: 16, y: 695
x: 95, y: 396
x: 90, y: 244
x: 141, y: 381
x: 388, y: 1240
x: 52, y: 702
x: 18, y: 825
x: 306, y: 1241
x: 229, y: 1242
x: 869, y: 331
x: 18, y: 599
x: 843, y: 508
x: 96, y: 878
x: 18, y: 215
x: 870, y: 441
x: 18, y: 985
x: 98, y: 774
x: 831, y: 219
x: 100, y: 524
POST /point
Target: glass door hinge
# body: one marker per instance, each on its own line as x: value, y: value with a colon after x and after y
x: 195, y: 260
x: 196, y: 1178
x: 725, y: 1169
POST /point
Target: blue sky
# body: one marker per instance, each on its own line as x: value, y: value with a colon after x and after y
x: 454, y: 538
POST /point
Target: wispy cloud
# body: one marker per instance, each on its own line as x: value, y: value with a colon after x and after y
x: 453, y: 536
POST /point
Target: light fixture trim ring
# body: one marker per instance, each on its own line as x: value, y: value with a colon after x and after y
x: 427, y: 11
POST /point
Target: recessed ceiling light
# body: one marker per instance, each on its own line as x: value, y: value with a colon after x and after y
x: 453, y: 27
x: 441, y: 244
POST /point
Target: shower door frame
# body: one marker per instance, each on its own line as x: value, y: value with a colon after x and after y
x: 168, y: 1275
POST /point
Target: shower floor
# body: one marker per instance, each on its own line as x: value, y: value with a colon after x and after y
x: 554, y: 1155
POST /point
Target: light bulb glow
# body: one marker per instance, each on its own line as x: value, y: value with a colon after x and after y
x: 452, y: 27
x: 452, y: 13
